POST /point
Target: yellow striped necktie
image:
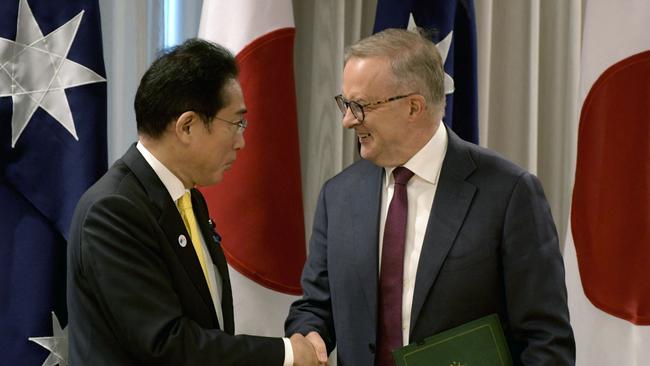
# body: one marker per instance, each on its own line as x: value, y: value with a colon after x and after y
x: 185, y: 206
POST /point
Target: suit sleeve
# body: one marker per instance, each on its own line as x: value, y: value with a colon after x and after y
x: 314, y: 311
x: 534, y: 278
x: 121, y: 264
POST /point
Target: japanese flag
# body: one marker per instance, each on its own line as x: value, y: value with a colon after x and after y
x: 607, y: 255
x: 258, y: 206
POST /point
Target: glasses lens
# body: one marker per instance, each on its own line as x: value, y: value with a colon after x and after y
x: 341, y: 103
x: 242, y: 125
x: 357, y: 111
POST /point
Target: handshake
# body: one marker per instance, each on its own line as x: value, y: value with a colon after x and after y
x: 309, y: 350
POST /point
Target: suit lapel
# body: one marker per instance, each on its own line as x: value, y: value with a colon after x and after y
x: 450, y: 205
x: 226, y: 294
x: 213, y: 243
x: 170, y: 221
x: 365, y: 219
x: 172, y: 224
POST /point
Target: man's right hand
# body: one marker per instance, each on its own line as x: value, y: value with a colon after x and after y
x: 319, y: 346
x: 303, y: 351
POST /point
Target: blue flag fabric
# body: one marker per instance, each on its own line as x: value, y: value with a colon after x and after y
x: 52, y: 148
x: 441, y: 17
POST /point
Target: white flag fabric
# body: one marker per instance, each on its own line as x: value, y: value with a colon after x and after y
x: 607, y: 253
x: 258, y: 206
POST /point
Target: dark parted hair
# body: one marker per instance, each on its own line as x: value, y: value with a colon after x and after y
x: 188, y: 77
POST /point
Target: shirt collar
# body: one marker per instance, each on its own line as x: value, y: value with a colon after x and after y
x: 427, y: 162
x: 169, y: 180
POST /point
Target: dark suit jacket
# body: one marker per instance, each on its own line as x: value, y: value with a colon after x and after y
x: 490, y: 247
x: 135, y: 296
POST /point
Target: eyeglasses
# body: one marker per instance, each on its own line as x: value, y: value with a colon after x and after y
x: 357, y: 108
x: 241, y: 124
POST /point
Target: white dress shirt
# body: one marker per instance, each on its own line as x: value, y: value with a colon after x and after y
x: 421, y: 189
x: 176, y: 189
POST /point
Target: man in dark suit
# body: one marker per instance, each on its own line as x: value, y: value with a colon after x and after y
x: 147, y: 279
x: 427, y: 232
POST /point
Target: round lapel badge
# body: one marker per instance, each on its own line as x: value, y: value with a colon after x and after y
x: 182, y: 240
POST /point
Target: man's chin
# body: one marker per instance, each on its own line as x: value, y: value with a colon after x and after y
x: 366, y: 154
x: 214, y: 179
x: 218, y: 177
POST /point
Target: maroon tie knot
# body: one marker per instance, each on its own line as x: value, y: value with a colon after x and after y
x: 402, y: 175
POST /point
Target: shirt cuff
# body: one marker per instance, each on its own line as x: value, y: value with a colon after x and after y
x: 288, y: 352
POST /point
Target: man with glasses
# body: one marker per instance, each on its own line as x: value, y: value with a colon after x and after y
x: 147, y: 279
x: 426, y: 232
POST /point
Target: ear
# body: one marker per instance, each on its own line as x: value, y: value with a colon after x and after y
x: 417, y: 106
x: 184, y: 125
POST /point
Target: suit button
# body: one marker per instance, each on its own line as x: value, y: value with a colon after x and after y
x: 371, y: 346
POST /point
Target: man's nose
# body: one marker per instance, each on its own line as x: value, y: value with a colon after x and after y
x: 349, y: 120
x: 240, y: 143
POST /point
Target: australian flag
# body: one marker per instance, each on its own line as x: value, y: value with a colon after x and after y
x: 442, y: 19
x: 52, y: 148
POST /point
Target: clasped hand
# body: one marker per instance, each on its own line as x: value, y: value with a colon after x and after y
x: 309, y: 350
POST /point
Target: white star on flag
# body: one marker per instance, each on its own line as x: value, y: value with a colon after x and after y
x: 57, y: 344
x: 443, y: 47
x: 35, y: 71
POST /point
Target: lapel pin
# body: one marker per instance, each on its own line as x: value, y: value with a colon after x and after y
x: 182, y: 240
x: 216, y: 237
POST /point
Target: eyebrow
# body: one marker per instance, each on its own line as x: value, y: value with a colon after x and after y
x: 362, y: 100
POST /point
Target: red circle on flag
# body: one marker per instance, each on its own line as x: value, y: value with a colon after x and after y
x: 258, y: 206
x: 610, y: 215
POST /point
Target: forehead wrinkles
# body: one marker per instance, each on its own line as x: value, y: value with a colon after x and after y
x: 367, y: 78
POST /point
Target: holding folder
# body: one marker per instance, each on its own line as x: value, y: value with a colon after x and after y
x: 478, y: 343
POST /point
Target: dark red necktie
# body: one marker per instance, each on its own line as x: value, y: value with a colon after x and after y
x: 389, y: 328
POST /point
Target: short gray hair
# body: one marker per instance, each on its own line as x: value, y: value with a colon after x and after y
x: 414, y: 60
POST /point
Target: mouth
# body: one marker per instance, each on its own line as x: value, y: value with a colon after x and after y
x: 363, y: 136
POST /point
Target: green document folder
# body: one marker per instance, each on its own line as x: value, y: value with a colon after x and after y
x: 478, y: 343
